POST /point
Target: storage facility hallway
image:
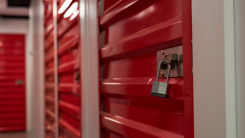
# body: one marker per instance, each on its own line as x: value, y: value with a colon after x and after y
x: 14, y: 135
x: 122, y: 69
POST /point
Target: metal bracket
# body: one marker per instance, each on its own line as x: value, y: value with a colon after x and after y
x: 77, y: 77
x: 177, y: 65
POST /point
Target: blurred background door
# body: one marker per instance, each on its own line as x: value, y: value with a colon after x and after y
x: 12, y: 83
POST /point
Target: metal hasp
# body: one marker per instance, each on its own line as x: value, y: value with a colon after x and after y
x: 175, y: 56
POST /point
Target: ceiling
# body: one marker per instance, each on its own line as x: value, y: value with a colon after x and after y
x: 14, y: 8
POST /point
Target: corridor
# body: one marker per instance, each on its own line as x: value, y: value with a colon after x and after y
x: 122, y: 68
x: 14, y: 135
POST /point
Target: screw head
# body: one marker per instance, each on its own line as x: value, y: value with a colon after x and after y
x: 187, y: 93
x: 162, y: 74
x: 163, y: 52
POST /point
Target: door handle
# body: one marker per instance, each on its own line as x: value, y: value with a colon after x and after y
x: 19, y: 82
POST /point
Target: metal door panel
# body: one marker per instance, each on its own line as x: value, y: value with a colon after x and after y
x: 12, y: 103
x: 147, y: 19
x: 12, y: 59
x: 48, y: 11
x: 12, y: 122
x: 70, y: 108
x: 12, y: 66
x: 12, y: 96
x: 49, y: 62
x: 49, y: 29
x: 11, y: 72
x: 13, y: 39
x: 11, y: 52
x: 49, y: 98
x: 74, y: 122
x: 11, y: 109
x: 12, y: 90
x: 145, y: 41
x: 50, y: 130
x: 71, y: 99
x: 122, y: 9
x: 13, y: 128
x: 12, y: 116
x: 66, y: 69
x: 69, y: 88
x: 60, y: 15
x: 11, y: 78
x: 49, y: 57
x: 131, y: 34
x: 67, y: 130
x: 68, y: 73
x: 70, y: 43
x: 69, y: 25
x: 50, y: 41
x: 124, y: 127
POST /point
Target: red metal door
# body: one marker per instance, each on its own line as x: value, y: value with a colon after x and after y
x: 62, y: 68
x: 131, y: 33
x: 50, y: 95
x: 68, y: 35
x: 12, y: 83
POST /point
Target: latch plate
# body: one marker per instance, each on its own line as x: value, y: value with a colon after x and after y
x: 177, y: 67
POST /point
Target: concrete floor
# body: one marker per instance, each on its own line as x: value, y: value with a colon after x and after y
x: 14, y: 135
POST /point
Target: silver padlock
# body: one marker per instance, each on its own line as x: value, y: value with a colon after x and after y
x: 159, y: 89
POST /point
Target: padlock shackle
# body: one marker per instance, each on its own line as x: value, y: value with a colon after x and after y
x: 159, y: 68
x: 169, y: 68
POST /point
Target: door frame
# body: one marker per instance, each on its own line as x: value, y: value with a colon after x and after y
x: 90, y: 100
x: 215, y: 84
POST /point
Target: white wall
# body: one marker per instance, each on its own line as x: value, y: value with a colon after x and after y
x: 240, y: 65
x: 8, y: 25
x: 214, y: 69
x: 21, y: 26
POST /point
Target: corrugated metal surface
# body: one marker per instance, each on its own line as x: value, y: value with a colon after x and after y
x: 49, y: 36
x: 132, y: 31
x: 63, y: 48
x: 68, y: 69
x: 12, y: 83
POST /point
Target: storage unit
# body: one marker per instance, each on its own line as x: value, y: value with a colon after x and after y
x: 50, y: 79
x: 63, y: 98
x: 69, y: 69
x: 131, y: 33
x: 12, y: 83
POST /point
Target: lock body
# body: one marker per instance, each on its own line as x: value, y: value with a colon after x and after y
x: 159, y: 89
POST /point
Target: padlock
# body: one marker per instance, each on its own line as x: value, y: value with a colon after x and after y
x: 159, y: 89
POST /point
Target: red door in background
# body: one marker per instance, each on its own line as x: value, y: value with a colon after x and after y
x: 131, y: 34
x: 12, y: 83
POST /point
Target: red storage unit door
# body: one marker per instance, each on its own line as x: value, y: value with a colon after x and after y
x: 132, y: 31
x: 68, y: 35
x: 49, y: 63
x: 12, y: 83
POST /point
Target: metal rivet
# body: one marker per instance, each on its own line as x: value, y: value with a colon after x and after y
x: 162, y: 73
x: 163, y: 52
